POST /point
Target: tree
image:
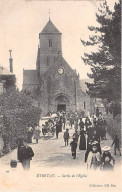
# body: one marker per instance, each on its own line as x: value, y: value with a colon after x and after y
x: 106, y: 62
x: 18, y: 112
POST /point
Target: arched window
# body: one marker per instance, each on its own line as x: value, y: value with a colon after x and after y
x: 50, y: 42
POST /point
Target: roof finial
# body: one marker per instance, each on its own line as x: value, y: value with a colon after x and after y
x: 11, y: 61
x: 10, y: 52
x: 49, y: 13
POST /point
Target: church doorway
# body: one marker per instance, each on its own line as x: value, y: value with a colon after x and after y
x: 61, y: 102
x: 61, y: 107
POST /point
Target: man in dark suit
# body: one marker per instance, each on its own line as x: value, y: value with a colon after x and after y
x: 58, y: 126
x: 25, y: 154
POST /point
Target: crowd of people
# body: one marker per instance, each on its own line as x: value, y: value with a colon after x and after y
x: 87, y: 136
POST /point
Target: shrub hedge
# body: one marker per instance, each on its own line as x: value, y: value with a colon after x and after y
x: 18, y: 112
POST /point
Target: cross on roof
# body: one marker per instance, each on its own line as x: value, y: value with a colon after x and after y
x: 49, y: 13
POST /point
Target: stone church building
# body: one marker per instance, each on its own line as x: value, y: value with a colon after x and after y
x: 54, y: 85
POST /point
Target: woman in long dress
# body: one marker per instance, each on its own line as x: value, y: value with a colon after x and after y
x: 82, y: 145
x: 68, y: 124
x: 29, y: 134
x: 37, y: 133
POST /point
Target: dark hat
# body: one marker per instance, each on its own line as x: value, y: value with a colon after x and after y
x: 19, y: 140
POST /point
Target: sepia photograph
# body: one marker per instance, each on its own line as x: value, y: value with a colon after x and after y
x: 60, y: 96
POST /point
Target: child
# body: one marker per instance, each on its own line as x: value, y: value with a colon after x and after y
x: 66, y: 137
x: 107, y: 155
x: 73, y: 148
x: 116, y: 145
x: 107, y: 166
x: 76, y: 136
x: 94, y: 158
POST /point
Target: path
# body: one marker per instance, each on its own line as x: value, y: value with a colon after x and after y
x: 51, y: 152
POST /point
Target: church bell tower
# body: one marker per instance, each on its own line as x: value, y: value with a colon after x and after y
x: 49, y: 47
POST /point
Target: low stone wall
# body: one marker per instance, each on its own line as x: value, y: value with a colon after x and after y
x: 117, y: 125
x: 114, y: 126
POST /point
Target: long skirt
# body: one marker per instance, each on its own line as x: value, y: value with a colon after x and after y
x: 37, y: 135
x: 82, y: 145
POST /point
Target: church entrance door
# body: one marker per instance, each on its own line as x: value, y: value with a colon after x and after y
x: 61, y: 107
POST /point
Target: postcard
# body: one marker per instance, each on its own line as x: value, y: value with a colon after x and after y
x: 60, y: 96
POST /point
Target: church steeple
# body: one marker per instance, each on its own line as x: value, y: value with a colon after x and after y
x: 50, y: 28
x: 50, y: 46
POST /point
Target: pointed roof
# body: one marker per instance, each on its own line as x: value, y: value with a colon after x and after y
x: 60, y: 62
x: 50, y: 28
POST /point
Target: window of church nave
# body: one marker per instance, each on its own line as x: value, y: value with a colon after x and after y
x: 50, y: 42
x: 84, y: 105
x: 54, y: 58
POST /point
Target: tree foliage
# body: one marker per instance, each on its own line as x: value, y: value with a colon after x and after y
x: 10, y: 81
x: 106, y: 62
x: 18, y: 112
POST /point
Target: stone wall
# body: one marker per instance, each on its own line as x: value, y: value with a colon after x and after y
x: 114, y: 125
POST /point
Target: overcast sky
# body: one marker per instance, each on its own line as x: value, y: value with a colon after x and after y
x: 21, y: 21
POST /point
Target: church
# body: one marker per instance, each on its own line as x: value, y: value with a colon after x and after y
x: 54, y: 85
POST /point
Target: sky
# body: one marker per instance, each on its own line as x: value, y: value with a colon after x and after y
x: 21, y: 21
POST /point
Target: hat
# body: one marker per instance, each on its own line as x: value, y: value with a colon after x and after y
x: 106, y: 148
x: 94, y: 143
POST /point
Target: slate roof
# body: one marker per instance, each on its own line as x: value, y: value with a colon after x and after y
x: 30, y: 77
x: 50, y: 28
x: 60, y: 62
x: 83, y: 85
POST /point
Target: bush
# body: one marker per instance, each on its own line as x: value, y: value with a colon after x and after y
x: 18, y: 112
